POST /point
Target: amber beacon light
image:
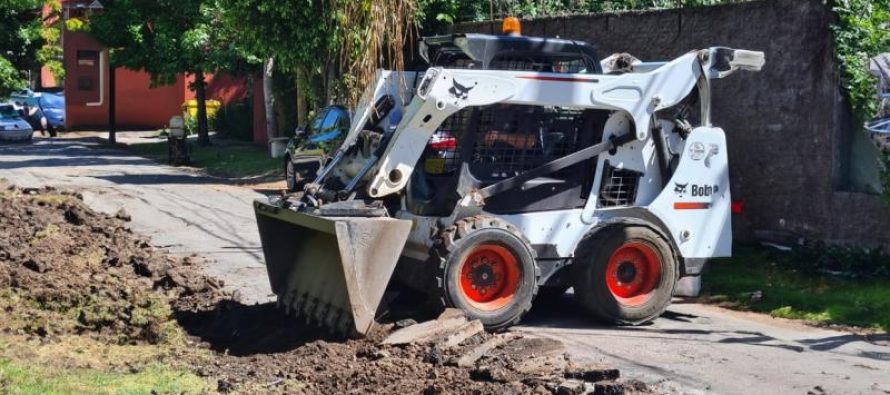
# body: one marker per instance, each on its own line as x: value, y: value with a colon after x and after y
x: 511, y: 26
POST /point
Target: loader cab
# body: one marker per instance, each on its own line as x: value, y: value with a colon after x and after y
x: 503, y: 140
x: 522, y: 53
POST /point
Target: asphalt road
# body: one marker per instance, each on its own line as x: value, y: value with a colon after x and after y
x: 693, y: 348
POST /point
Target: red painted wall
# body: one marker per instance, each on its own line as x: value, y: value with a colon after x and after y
x: 79, y: 109
x: 138, y: 105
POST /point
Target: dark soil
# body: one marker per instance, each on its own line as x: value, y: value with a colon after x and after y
x: 67, y: 270
x: 261, y: 348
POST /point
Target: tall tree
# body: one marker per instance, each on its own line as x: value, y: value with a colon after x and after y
x: 27, y: 42
x: 333, y: 46
x: 166, y: 38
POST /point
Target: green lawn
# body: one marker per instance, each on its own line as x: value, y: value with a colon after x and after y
x: 27, y: 378
x: 224, y: 159
x: 790, y: 293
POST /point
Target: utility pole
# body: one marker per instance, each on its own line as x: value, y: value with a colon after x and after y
x: 112, y: 94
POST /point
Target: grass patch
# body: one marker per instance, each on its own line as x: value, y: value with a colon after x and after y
x: 224, y: 158
x: 791, y: 293
x: 18, y: 378
x: 82, y: 365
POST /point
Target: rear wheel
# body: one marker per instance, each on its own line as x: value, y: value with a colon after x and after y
x: 627, y: 274
x: 487, y: 269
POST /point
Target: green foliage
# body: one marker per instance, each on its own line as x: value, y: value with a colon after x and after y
x: 25, y: 42
x: 788, y: 291
x: 819, y: 257
x: 167, y: 38
x: 50, y: 52
x: 294, y: 32
x: 435, y: 16
x: 332, y: 46
x: 862, y: 31
x: 10, y: 78
x: 235, y: 121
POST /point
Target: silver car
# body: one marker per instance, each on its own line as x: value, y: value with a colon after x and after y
x: 12, y: 126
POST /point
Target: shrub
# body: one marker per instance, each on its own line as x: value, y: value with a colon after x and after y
x: 235, y: 120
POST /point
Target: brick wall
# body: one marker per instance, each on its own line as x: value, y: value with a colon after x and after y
x: 788, y: 128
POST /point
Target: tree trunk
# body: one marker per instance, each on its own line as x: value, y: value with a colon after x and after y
x: 269, y: 99
x: 112, y: 94
x: 201, y: 96
x: 302, y: 106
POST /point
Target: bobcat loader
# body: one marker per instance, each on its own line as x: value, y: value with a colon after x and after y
x: 512, y: 167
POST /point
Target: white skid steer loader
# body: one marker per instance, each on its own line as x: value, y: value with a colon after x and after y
x: 512, y: 166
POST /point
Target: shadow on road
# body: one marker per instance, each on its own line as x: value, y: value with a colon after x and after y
x: 70, y: 161
x: 566, y: 313
x: 155, y: 179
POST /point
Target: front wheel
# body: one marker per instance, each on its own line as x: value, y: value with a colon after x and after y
x: 291, y: 175
x: 626, y: 274
x: 487, y: 269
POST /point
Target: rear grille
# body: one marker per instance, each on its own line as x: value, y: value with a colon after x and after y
x: 540, y: 65
x: 619, y: 187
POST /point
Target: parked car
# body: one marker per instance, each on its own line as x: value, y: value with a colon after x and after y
x: 44, y: 111
x: 53, y: 107
x: 311, y: 146
x: 12, y: 126
x: 23, y: 97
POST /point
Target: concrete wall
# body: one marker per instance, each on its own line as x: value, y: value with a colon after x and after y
x: 788, y: 127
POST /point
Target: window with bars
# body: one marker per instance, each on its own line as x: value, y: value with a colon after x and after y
x: 515, y: 138
x: 618, y: 187
x: 508, y: 140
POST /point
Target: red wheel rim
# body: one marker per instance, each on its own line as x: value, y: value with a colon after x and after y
x: 633, y: 273
x: 489, y: 277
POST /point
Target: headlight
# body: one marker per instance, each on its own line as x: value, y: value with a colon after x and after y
x: 429, y: 79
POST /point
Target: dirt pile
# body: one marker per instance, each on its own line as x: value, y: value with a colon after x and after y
x: 65, y: 269
x: 260, y: 349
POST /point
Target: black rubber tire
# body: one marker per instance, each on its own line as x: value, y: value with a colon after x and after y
x: 291, y: 175
x: 456, y: 241
x: 591, y: 289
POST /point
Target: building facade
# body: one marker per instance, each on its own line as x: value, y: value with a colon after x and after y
x: 138, y: 105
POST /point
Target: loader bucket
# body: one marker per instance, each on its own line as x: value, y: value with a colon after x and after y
x: 330, y: 271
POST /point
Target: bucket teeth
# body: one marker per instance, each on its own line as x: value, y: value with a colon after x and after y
x: 309, y: 309
x: 332, y: 317
x: 296, y: 303
x: 321, y: 314
x: 344, y: 325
